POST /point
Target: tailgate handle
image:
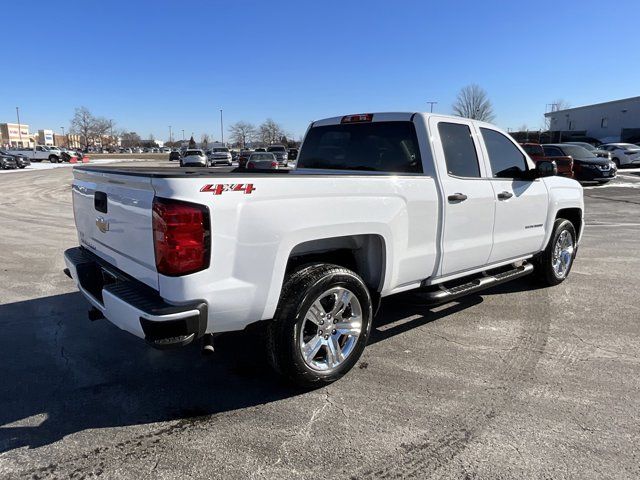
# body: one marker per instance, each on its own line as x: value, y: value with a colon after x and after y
x: 100, y: 202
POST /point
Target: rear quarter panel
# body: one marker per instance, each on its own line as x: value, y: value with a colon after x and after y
x: 254, y: 234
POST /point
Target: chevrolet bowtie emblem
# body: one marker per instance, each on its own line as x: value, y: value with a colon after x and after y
x: 102, y: 224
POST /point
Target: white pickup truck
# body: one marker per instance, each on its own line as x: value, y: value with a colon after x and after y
x: 39, y: 153
x: 378, y: 204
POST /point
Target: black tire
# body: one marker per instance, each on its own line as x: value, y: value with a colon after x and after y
x: 53, y: 159
x: 22, y: 166
x: 300, y: 291
x: 544, y: 270
x: 617, y: 162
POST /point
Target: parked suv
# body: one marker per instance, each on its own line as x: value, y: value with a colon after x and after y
x: 536, y: 152
x: 586, y: 166
x: 280, y: 152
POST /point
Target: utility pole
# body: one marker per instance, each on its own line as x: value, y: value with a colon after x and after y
x: 221, y: 128
x: 19, y: 127
x: 170, y: 140
x: 431, y: 104
x: 63, y: 135
x: 183, y: 134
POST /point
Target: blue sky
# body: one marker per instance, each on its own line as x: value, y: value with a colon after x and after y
x: 147, y: 65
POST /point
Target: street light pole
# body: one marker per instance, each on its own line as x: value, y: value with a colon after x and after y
x: 63, y: 135
x: 183, y: 134
x: 221, y: 128
x: 431, y: 104
x: 170, y: 141
x: 19, y: 127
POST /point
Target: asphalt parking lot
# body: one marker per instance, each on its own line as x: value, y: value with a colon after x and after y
x: 519, y: 382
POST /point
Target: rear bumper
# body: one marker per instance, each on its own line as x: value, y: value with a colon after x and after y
x: 133, y: 306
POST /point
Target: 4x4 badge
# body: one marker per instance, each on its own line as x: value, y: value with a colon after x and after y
x: 218, y: 189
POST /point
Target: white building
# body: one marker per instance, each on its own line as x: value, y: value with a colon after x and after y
x: 615, y: 121
x: 45, y: 137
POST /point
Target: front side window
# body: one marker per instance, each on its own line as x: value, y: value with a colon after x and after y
x: 507, y: 161
x: 459, y: 150
x: 378, y: 147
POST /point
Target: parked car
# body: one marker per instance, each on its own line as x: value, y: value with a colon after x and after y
x: 623, y: 154
x: 220, y: 155
x: 582, y: 139
x: 262, y: 160
x: 194, y: 158
x: 308, y: 257
x: 280, y: 152
x: 175, y: 155
x: 39, y: 153
x: 243, y: 157
x: 598, y: 152
x: 22, y: 161
x: 536, y: 152
x: 7, y: 162
x: 586, y: 166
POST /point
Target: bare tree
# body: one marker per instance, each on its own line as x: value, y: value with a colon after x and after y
x: 242, y: 133
x: 473, y: 102
x: 205, y: 139
x: 101, y: 127
x: 130, y: 139
x: 270, y: 132
x: 83, y: 124
x: 559, y: 104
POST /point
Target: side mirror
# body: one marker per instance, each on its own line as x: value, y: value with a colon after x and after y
x: 546, y: 169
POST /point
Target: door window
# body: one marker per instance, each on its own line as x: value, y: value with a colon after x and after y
x: 459, y: 150
x: 507, y: 161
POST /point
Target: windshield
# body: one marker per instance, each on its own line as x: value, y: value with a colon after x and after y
x: 577, y: 152
x: 277, y: 148
x: 378, y: 146
x: 193, y: 152
x: 585, y: 145
x: 221, y: 149
x: 261, y: 156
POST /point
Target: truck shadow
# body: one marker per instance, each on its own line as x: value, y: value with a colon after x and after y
x: 63, y: 374
x: 405, y: 311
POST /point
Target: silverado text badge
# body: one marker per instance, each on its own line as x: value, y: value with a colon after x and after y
x: 102, y: 224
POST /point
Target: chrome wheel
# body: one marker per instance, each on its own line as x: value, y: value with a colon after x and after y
x: 562, y: 254
x: 330, y: 329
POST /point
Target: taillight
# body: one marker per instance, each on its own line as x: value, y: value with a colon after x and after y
x: 274, y: 164
x: 181, y: 237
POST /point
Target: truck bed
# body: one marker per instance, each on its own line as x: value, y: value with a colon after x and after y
x: 174, y: 172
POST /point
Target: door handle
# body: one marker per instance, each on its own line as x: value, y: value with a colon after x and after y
x: 457, y: 197
x: 505, y: 195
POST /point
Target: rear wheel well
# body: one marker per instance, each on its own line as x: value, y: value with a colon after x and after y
x: 574, y: 215
x: 363, y: 254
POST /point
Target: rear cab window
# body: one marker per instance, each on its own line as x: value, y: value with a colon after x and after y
x: 459, y: 149
x: 390, y: 146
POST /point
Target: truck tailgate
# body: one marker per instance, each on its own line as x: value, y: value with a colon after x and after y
x: 113, y: 215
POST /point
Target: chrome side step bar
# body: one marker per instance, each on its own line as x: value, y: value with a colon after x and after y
x: 444, y: 295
